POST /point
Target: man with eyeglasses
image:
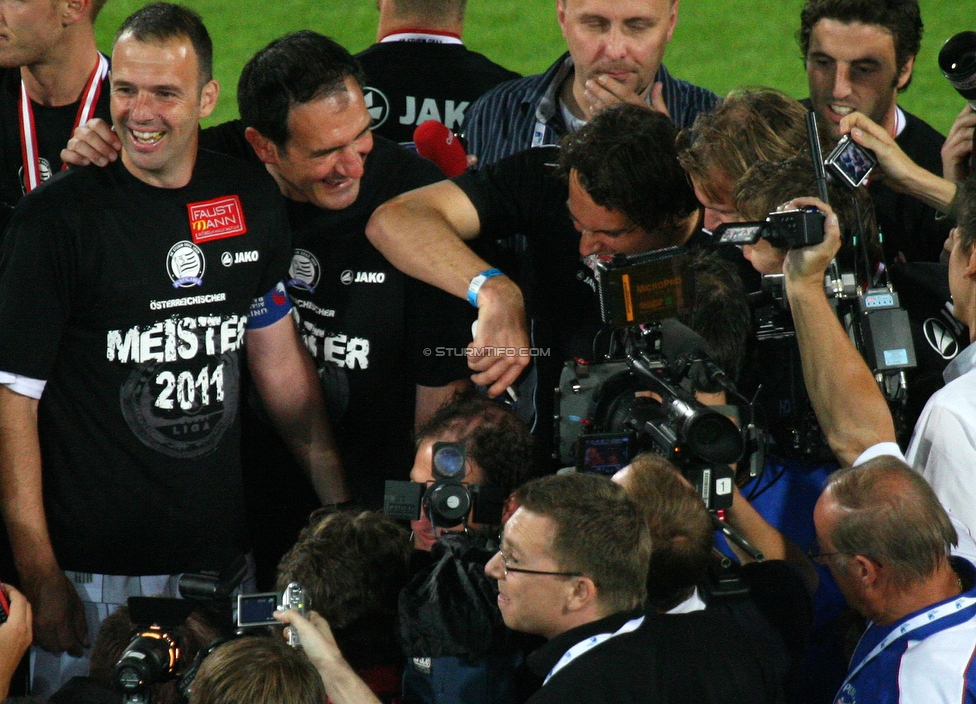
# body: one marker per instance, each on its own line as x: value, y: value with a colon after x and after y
x: 887, y: 540
x: 572, y: 568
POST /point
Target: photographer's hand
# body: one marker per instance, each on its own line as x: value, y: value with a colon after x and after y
x: 897, y: 170
x: 92, y: 143
x: 843, y: 393
x: 958, y: 146
x: 15, y: 636
x: 501, y: 328
x: 342, y: 684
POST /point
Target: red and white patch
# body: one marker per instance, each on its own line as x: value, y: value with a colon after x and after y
x: 216, y: 219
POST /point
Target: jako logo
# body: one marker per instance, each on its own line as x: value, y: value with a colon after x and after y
x: 362, y: 277
x: 370, y: 277
x: 245, y: 257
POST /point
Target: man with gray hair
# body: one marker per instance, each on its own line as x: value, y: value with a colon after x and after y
x: 886, y: 539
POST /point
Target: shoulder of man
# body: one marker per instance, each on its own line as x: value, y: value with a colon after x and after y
x: 922, y: 142
x: 685, y: 100
x: 501, y: 102
x: 392, y: 169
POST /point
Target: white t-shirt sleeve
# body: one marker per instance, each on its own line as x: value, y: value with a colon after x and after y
x: 23, y: 385
x: 879, y: 450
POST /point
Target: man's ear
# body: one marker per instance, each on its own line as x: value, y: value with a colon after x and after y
x: 73, y: 10
x: 583, y: 594
x: 266, y: 150
x: 865, y: 570
x: 208, y: 98
x: 971, y: 265
x: 905, y: 74
x: 511, y: 506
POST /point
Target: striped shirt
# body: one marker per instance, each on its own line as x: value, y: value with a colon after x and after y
x: 503, y: 121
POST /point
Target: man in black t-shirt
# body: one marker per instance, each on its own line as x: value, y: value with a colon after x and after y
x: 420, y: 70
x: 373, y: 332
x: 613, y: 187
x: 120, y: 368
x: 859, y: 56
x: 49, y: 56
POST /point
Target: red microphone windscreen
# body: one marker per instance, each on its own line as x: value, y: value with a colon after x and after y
x: 437, y: 143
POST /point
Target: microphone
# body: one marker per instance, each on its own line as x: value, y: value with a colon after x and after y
x: 437, y: 143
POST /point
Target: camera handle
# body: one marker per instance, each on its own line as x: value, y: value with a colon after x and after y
x: 732, y: 534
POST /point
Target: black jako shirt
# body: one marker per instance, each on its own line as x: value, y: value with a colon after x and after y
x: 372, y: 331
x: 410, y: 82
x: 53, y: 128
x: 133, y: 308
x: 695, y: 658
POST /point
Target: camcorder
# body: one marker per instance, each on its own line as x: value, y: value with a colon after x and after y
x: 448, y: 501
x: 153, y: 654
x: 785, y: 229
x: 642, y: 397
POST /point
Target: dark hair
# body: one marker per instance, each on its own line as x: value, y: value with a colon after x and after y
x: 720, y: 311
x: 626, y: 160
x: 890, y: 514
x: 966, y: 213
x: 162, y: 21
x: 257, y: 671
x: 900, y: 17
x: 681, y: 529
x: 599, y: 532
x: 749, y: 126
x: 353, y: 567
x: 768, y: 185
x: 492, y: 434
x: 297, y: 68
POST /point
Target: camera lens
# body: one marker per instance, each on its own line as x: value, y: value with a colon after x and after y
x: 448, y: 460
x: 448, y: 502
x: 150, y: 657
x: 957, y: 59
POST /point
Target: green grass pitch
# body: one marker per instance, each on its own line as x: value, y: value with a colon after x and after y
x: 719, y: 45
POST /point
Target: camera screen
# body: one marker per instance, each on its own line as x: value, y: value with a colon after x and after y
x: 854, y: 163
x: 605, y: 453
x: 256, y: 609
x: 739, y: 233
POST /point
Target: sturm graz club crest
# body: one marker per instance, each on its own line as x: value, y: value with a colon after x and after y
x: 304, y: 271
x: 43, y: 171
x: 185, y: 264
x: 377, y: 104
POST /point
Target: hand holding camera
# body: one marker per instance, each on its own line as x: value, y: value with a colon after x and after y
x: 806, y: 265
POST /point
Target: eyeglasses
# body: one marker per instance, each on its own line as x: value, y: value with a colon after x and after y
x: 813, y: 552
x: 519, y: 569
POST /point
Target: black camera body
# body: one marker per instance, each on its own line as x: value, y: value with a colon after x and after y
x: 607, y: 415
x: 785, y: 229
x: 447, y: 501
x: 957, y: 60
x: 259, y: 609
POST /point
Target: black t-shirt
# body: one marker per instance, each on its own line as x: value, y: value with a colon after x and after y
x: 372, y: 331
x: 53, y: 128
x: 131, y: 301
x: 410, y: 82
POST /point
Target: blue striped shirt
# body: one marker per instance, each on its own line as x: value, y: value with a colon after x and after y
x: 502, y: 121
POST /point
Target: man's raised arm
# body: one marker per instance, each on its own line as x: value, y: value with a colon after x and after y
x: 289, y: 386
x: 422, y: 234
x: 59, y: 620
x: 843, y: 392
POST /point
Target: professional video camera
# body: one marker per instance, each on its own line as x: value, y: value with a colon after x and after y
x: 153, y: 654
x: 643, y: 398
x: 448, y: 501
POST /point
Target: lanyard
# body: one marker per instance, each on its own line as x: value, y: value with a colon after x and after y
x: 923, y: 619
x: 28, y: 132
x: 590, y: 643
